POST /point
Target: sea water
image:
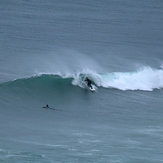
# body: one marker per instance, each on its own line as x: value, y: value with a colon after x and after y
x: 48, y: 48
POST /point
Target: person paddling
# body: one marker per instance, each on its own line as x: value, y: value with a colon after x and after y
x: 47, y: 107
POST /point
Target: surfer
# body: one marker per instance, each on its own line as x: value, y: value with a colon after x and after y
x: 47, y: 107
x: 89, y: 83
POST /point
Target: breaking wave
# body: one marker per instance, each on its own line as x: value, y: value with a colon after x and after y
x: 146, y: 79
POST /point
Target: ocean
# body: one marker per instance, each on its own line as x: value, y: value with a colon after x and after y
x: 48, y: 48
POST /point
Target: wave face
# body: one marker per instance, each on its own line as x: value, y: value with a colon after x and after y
x: 146, y: 79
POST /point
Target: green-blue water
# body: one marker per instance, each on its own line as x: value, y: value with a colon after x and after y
x: 48, y: 48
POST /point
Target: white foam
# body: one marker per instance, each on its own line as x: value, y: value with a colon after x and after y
x: 145, y: 79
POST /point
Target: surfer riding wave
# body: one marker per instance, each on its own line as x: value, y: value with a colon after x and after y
x: 89, y: 83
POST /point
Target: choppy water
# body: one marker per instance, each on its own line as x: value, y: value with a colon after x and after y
x: 48, y: 48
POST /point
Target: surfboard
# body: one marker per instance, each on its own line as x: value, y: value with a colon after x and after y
x: 45, y: 107
x: 92, y: 89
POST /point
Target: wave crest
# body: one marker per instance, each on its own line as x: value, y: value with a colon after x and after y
x: 146, y: 79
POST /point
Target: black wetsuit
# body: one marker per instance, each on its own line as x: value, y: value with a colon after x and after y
x: 89, y: 82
